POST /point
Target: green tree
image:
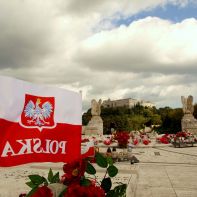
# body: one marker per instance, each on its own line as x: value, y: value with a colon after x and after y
x: 171, y: 120
x: 136, y: 122
x: 86, y: 117
x: 137, y: 117
x: 195, y: 110
x: 156, y: 119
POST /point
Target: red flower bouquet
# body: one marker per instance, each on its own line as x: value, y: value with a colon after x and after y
x: 165, y: 139
x: 123, y: 138
x: 183, y: 139
x: 135, y: 141
x: 82, y: 191
x: 107, y: 141
x: 74, y: 182
x: 146, y: 141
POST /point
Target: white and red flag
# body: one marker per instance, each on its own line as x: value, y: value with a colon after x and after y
x: 38, y: 123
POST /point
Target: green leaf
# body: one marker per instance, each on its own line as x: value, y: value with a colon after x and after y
x: 110, y: 193
x: 37, y: 179
x: 90, y: 168
x: 110, y: 161
x: 101, y: 161
x: 56, y: 178
x: 120, y: 190
x: 112, y: 171
x: 50, y: 175
x: 85, y: 182
x: 30, y: 184
x: 45, y: 181
x: 106, y: 184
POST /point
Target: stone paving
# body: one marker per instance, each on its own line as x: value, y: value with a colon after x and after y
x: 163, y: 171
x: 167, y: 154
x: 16, y: 177
x: 171, y: 173
x: 166, y: 181
x: 13, y: 179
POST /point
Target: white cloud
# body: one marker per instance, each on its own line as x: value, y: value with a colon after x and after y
x: 54, y: 42
x: 25, y: 36
x: 146, y: 45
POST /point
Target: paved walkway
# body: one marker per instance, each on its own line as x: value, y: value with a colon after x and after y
x: 167, y: 181
x: 166, y: 172
x: 163, y: 171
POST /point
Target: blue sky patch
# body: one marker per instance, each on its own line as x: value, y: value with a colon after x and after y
x: 170, y: 12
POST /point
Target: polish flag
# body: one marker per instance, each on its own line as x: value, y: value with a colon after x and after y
x: 38, y: 123
x: 87, y: 150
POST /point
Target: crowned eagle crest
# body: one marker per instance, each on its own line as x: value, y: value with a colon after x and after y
x: 36, y: 114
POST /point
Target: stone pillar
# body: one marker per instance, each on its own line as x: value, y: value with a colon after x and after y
x: 95, y: 125
x: 188, y: 122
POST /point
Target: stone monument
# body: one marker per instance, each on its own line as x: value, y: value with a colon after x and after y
x: 95, y: 125
x: 188, y: 122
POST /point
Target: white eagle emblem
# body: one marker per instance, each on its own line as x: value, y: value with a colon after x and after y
x: 38, y: 114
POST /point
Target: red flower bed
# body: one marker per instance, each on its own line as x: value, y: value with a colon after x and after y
x: 165, y: 139
x: 107, y: 141
x: 182, y: 134
x: 146, y: 141
x: 122, y: 137
x: 135, y: 141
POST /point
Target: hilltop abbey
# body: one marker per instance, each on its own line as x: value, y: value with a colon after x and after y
x: 129, y: 102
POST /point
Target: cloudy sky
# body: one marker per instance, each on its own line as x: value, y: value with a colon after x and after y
x: 143, y: 49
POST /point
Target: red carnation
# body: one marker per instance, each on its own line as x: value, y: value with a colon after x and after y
x: 84, y: 191
x: 135, y: 141
x: 107, y: 142
x: 146, y: 142
x: 43, y: 192
x: 73, y: 171
x: 164, y: 139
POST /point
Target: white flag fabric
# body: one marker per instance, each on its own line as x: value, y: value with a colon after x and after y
x: 38, y: 123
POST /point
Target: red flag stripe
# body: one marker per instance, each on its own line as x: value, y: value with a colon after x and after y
x: 21, y: 145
